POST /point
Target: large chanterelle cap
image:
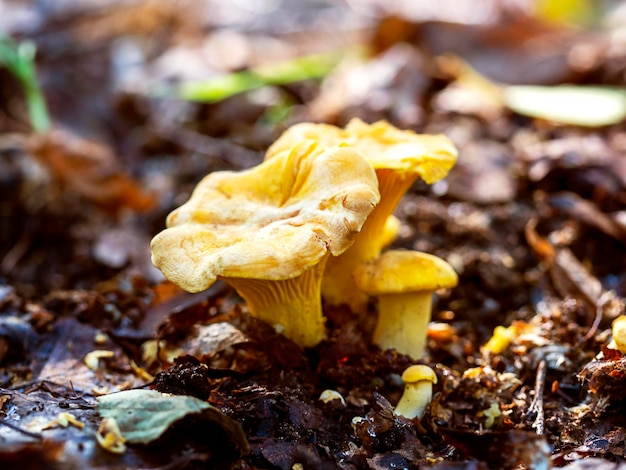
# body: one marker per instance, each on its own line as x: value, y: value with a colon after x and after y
x: 429, y: 156
x: 399, y: 158
x: 268, y: 232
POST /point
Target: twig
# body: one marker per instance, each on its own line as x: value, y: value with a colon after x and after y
x: 15, y: 254
x: 536, y: 407
x: 599, y: 304
x: 20, y: 430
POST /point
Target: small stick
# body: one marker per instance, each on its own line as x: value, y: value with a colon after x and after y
x: 20, y: 430
x: 536, y: 405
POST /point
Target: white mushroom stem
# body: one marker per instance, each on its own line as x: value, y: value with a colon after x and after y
x: 403, y: 322
x: 416, y: 397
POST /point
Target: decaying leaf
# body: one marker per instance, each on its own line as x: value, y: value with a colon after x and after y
x: 144, y: 415
x: 605, y: 377
x: 88, y: 169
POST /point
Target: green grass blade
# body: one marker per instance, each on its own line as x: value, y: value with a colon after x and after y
x: 19, y: 60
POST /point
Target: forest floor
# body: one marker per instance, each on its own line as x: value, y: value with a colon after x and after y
x: 532, y: 217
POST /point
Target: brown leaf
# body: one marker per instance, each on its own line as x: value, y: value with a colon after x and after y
x: 606, y: 379
x: 89, y: 170
x: 588, y: 213
x: 569, y: 275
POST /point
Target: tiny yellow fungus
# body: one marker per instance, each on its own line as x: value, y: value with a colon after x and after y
x: 92, y: 359
x: 328, y: 396
x: 418, y: 391
x: 619, y: 333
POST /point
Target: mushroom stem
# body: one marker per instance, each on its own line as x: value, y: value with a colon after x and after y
x: 403, y: 321
x: 390, y: 231
x: 292, y: 306
x: 338, y: 285
x: 415, y: 399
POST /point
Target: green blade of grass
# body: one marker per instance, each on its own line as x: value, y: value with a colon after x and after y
x: 222, y: 87
x: 19, y: 60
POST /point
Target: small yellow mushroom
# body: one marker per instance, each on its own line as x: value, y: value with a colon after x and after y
x: 619, y: 333
x: 269, y: 231
x: 92, y: 359
x: 404, y: 282
x: 503, y: 337
x: 418, y: 391
x: 328, y: 396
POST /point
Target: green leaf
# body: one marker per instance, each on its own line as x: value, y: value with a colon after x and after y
x: 222, y: 87
x: 144, y: 415
x: 590, y: 106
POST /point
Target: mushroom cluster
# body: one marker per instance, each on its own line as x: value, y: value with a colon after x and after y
x: 268, y: 232
x: 311, y: 221
x: 399, y: 157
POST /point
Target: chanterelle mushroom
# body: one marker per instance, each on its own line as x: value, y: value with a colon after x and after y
x: 269, y: 230
x: 399, y: 158
x: 404, y: 282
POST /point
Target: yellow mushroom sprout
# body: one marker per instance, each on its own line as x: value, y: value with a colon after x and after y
x: 269, y: 230
x: 399, y: 158
x: 404, y: 282
x: 418, y: 391
x: 618, y: 329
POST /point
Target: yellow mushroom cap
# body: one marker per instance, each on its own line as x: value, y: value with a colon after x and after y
x: 384, y: 146
x: 273, y: 221
x: 418, y: 373
x: 399, y: 271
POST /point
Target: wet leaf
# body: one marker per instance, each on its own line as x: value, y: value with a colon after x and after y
x: 144, y: 415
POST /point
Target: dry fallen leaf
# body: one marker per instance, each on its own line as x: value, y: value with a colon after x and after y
x: 88, y: 169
